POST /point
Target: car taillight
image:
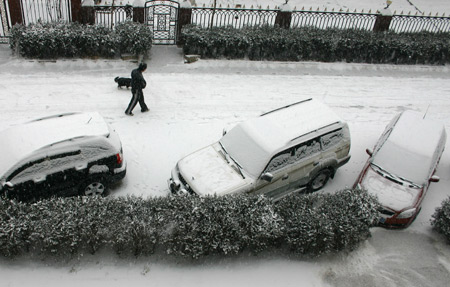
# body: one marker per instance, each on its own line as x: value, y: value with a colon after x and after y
x: 119, y: 158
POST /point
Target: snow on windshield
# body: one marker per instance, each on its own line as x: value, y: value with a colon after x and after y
x: 413, y: 148
x: 244, y: 148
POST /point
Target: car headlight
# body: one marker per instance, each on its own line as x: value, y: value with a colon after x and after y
x: 407, y: 213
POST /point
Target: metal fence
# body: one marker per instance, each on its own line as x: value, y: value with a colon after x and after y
x: 34, y: 11
x: 234, y: 17
x: 342, y: 20
x: 409, y: 23
x: 4, y: 22
x: 109, y: 16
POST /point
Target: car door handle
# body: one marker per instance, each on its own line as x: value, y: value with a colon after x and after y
x: 316, y: 163
x: 286, y: 176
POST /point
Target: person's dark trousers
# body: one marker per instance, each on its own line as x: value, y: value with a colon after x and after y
x: 138, y: 96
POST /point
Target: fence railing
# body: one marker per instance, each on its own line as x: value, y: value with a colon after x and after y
x: 109, y: 16
x: 45, y: 11
x: 342, y: 20
x: 409, y: 23
x: 4, y: 22
x: 31, y: 11
x: 234, y: 17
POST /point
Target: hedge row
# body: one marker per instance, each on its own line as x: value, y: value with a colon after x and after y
x: 441, y: 219
x: 60, y: 39
x: 187, y: 226
x: 312, y: 44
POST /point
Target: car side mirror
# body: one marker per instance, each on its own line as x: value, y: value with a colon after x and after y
x: 6, y: 185
x: 435, y: 178
x: 267, y: 176
x: 369, y: 151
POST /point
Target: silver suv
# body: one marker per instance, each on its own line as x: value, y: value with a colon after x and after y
x: 293, y: 148
x: 61, y: 155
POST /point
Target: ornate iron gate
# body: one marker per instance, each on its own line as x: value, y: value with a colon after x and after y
x: 162, y: 18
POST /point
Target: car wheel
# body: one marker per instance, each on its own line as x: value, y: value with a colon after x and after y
x: 319, y: 180
x: 94, y: 186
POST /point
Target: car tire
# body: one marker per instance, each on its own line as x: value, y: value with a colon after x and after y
x: 94, y: 186
x: 319, y: 180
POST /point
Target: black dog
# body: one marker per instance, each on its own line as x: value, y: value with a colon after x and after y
x: 122, y: 82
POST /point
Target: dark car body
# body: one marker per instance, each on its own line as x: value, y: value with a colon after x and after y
x: 62, y: 155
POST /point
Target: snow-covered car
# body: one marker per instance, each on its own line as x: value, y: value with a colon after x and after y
x: 402, y: 165
x: 294, y: 148
x: 61, y: 155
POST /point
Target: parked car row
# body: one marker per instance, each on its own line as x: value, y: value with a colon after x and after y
x: 296, y: 148
x: 300, y: 146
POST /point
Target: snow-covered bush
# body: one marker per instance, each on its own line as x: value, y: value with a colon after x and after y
x: 317, y: 224
x: 60, y: 39
x: 134, y: 38
x: 441, y: 219
x: 313, y: 44
x: 186, y: 226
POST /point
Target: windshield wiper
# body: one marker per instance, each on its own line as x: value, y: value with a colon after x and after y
x: 239, y: 167
x: 396, y: 179
x: 227, y: 155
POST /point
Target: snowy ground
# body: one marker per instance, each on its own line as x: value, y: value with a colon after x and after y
x: 190, y: 104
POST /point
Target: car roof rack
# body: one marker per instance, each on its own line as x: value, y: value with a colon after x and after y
x: 285, y: 107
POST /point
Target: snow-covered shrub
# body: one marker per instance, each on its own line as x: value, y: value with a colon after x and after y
x: 134, y: 38
x: 317, y: 224
x: 15, y: 228
x: 441, y: 219
x: 196, y: 227
x: 313, y: 44
x: 60, y: 39
x: 186, y: 226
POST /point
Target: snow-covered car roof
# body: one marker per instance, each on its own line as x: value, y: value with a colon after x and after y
x: 22, y: 140
x: 413, y: 148
x: 272, y: 131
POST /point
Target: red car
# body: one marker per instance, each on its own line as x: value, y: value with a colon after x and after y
x: 402, y: 166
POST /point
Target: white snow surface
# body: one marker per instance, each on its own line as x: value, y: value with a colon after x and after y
x: 189, y: 106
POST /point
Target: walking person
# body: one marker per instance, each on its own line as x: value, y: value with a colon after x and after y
x: 138, y: 83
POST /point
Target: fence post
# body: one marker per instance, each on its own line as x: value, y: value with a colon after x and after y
x: 87, y: 12
x: 75, y: 6
x: 284, y: 15
x: 184, y: 18
x: 15, y: 12
x: 139, y: 11
x: 383, y: 21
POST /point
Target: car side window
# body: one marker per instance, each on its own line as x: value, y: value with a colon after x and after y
x: 293, y: 155
x: 44, y: 166
x: 30, y: 170
x: 280, y: 160
x: 332, y: 138
x: 307, y: 149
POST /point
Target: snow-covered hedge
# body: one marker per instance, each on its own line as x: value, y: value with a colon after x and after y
x: 187, y: 226
x: 441, y: 219
x: 312, y: 44
x: 60, y: 39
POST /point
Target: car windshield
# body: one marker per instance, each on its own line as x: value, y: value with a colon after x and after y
x: 245, y: 150
x: 392, y: 177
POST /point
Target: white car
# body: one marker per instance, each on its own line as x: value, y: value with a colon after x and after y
x: 402, y: 165
x: 296, y: 147
x: 61, y: 155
